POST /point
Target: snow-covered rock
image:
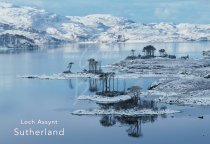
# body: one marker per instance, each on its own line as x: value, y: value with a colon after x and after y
x: 48, y: 28
x: 16, y: 40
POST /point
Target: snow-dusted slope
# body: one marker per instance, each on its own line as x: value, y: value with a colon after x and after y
x: 186, y: 91
x: 22, y: 26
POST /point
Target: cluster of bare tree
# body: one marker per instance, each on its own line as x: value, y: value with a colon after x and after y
x: 94, y: 66
x: 149, y: 52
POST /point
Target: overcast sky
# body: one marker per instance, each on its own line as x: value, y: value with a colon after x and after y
x: 147, y: 11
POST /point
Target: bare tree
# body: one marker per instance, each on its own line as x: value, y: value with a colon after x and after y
x: 135, y: 92
x: 69, y: 66
x: 132, y: 52
x: 149, y: 51
x: 162, y: 52
x: 91, y: 65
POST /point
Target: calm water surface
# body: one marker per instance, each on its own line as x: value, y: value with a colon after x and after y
x: 26, y: 99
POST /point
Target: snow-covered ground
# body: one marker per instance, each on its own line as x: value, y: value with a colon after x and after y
x: 48, y: 28
x: 104, y: 99
x: 184, y: 81
x: 60, y: 76
x: 129, y: 112
x: 165, y: 67
x: 185, y: 91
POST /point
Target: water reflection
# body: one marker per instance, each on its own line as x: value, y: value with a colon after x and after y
x: 97, y: 85
x: 134, y: 123
x: 107, y: 85
x: 173, y: 48
x: 17, y: 50
x: 93, y: 85
x: 70, y: 84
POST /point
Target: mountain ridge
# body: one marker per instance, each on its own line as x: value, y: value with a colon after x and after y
x: 23, y: 26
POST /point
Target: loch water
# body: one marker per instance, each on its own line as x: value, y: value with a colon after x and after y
x: 27, y: 99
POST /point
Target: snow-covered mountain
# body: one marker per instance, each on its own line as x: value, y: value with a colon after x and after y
x: 22, y: 26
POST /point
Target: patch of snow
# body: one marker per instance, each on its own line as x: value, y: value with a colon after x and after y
x: 105, y: 99
x: 5, y: 5
x: 202, y: 101
x: 129, y: 112
x: 60, y: 76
